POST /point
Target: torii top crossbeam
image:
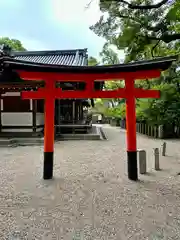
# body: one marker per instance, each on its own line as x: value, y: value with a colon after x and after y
x: 101, y: 72
x: 88, y: 74
x: 48, y: 72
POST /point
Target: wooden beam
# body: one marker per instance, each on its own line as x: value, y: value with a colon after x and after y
x: 34, y: 111
x: 16, y: 86
x: 90, y: 77
x: 0, y: 112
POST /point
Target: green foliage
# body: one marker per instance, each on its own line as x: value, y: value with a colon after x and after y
x: 144, y: 29
x: 118, y: 112
x: 165, y: 110
x: 134, y: 29
x: 15, y: 44
x: 108, y: 55
x: 92, y: 61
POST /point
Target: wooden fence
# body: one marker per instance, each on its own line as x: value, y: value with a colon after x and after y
x: 151, y: 131
x: 155, y: 131
x: 162, y: 131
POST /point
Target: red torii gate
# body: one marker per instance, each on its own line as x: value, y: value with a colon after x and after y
x: 129, y: 72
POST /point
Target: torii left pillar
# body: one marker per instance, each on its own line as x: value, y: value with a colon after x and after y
x: 49, y: 131
x: 48, y: 94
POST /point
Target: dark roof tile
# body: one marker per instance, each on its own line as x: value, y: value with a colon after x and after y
x: 76, y: 57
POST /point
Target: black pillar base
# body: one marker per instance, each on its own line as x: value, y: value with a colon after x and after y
x: 48, y: 165
x: 132, y: 165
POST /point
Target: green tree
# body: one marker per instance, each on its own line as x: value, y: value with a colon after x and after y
x: 144, y: 29
x: 138, y: 26
x: 14, y: 44
x: 108, y: 56
x: 92, y: 61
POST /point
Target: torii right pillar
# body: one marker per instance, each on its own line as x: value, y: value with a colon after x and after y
x: 131, y: 94
x: 131, y: 130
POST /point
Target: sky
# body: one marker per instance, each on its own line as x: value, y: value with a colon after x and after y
x: 51, y: 24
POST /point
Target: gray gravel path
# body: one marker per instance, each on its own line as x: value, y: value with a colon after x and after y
x: 90, y: 197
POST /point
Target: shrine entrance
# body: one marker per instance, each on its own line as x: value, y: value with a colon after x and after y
x: 70, y: 116
x: 69, y: 113
x: 89, y: 75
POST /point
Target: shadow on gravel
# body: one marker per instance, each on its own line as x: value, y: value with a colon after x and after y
x: 152, y: 174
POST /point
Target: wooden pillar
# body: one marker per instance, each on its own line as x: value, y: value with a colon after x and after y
x: 131, y: 130
x: 58, y: 115
x: 49, y: 131
x: 1, y: 109
x: 78, y: 111
x: 59, y: 111
x: 73, y: 110
x: 81, y: 111
x: 33, y: 107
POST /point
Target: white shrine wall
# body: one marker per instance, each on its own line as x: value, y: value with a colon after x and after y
x: 20, y: 121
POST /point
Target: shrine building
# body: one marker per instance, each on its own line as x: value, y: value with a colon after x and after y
x: 27, y: 116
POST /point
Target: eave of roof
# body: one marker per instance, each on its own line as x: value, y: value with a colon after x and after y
x: 161, y: 63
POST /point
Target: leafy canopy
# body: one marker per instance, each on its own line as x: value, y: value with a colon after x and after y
x: 144, y: 29
x: 136, y: 26
x: 14, y: 44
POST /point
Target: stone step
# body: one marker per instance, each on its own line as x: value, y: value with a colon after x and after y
x: 20, y: 142
x: 96, y: 133
x: 5, y: 142
x: 29, y: 141
x: 79, y: 137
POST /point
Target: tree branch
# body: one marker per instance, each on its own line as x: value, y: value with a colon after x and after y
x: 156, y: 28
x: 167, y: 38
x: 152, y: 50
x: 88, y: 4
x: 141, y: 7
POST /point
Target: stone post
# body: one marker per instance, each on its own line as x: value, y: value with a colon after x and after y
x: 160, y: 131
x: 164, y: 149
x: 142, y: 161
x: 156, y: 159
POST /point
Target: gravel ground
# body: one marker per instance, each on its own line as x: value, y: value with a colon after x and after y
x: 90, y: 197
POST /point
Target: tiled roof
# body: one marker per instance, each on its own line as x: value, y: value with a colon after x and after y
x: 76, y: 57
